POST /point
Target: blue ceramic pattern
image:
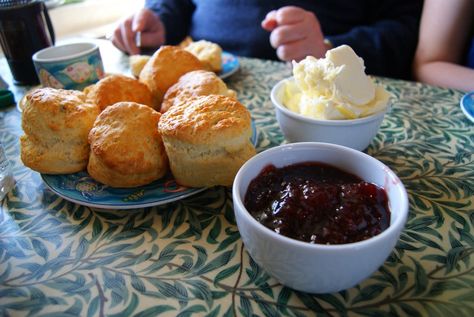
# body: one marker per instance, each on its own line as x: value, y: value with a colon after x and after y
x: 82, y: 189
x: 230, y: 64
x: 75, y: 74
x: 467, y: 105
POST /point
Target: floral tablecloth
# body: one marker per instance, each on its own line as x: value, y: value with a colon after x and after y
x: 186, y: 258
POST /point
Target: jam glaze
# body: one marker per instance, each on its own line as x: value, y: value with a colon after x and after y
x: 317, y: 203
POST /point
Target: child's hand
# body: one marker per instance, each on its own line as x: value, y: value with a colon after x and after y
x: 295, y: 33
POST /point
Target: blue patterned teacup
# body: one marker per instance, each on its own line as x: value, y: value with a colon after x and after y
x: 71, y: 66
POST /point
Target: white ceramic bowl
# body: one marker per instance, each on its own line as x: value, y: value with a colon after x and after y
x: 318, y: 268
x: 354, y: 133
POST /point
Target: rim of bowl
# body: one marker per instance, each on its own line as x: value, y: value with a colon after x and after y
x: 85, y: 48
x: 338, y: 122
x: 399, y: 222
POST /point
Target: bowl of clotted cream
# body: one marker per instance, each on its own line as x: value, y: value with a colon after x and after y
x: 330, y: 100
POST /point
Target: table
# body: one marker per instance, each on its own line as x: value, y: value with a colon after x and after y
x: 186, y: 258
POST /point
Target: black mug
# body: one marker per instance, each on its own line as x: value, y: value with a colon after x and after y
x: 25, y: 28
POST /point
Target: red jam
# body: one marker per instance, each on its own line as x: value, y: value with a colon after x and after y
x: 317, y: 203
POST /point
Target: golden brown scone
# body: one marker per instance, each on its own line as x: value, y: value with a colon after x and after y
x: 87, y: 89
x: 116, y: 88
x: 56, y: 123
x: 195, y: 83
x: 164, y: 69
x: 207, y: 139
x: 137, y: 62
x: 126, y: 147
x: 187, y: 40
x: 210, y: 54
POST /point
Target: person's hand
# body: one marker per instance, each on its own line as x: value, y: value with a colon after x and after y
x: 295, y: 33
x: 152, y: 32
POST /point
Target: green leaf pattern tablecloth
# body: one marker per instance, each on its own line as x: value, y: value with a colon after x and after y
x: 186, y: 258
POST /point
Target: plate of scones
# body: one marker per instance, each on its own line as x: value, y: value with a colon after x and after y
x: 210, y: 54
x: 128, y: 142
x: 82, y: 189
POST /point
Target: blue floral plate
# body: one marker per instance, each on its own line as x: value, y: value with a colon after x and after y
x: 82, y: 189
x: 230, y: 64
x: 467, y: 105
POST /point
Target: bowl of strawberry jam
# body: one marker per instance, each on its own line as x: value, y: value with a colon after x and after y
x: 318, y: 217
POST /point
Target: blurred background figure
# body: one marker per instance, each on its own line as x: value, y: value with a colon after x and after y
x: 445, y: 52
x: 383, y: 32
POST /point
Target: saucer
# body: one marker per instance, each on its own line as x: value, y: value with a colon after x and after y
x: 230, y: 64
x: 467, y: 105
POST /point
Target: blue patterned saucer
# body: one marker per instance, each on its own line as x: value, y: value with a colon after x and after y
x: 467, y: 105
x: 230, y: 64
x: 82, y: 189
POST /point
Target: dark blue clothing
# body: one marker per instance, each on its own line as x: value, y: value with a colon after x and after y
x: 383, y: 32
x: 470, y: 55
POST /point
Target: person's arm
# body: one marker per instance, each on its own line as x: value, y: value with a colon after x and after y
x: 176, y: 16
x: 388, y: 42
x: 444, y: 36
x: 386, y: 39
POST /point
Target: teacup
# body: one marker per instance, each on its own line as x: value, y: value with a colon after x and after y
x: 70, y: 66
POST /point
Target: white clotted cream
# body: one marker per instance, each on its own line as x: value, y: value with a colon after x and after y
x: 334, y: 87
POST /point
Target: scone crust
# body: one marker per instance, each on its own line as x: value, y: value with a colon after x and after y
x: 49, y: 109
x: 195, y: 83
x: 165, y: 67
x: 126, y: 147
x: 137, y: 62
x: 209, y: 119
x: 56, y: 124
x: 116, y: 88
x: 210, y: 167
x: 210, y: 54
x: 207, y: 139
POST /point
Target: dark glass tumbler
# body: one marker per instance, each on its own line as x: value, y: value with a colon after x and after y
x: 25, y: 28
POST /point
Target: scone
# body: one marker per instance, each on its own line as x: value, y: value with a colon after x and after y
x: 137, y: 62
x: 187, y: 40
x: 56, y: 124
x: 126, y: 147
x: 195, y: 83
x: 164, y: 69
x: 207, y: 139
x: 116, y: 88
x: 210, y: 54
